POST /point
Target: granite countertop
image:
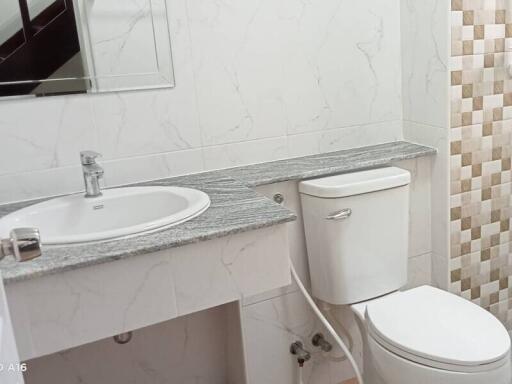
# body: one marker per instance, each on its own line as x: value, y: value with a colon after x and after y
x: 235, y: 208
x: 326, y: 164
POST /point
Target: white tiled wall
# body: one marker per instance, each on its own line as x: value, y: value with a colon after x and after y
x: 255, y: 81
x: 425, y: 54
x: 189, y: 350
x: 425, y: 89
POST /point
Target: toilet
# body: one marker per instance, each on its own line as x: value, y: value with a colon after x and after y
x: 356, y: 227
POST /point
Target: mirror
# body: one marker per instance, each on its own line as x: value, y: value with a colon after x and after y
x: 51, y: 47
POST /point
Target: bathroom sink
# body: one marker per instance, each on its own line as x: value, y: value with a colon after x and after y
x: 117, y: 212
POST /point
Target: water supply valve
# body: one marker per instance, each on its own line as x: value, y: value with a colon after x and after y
x: 297, y: 349
x: 319, y: 341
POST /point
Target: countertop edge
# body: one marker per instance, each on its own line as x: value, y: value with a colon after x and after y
x: 107, y: 259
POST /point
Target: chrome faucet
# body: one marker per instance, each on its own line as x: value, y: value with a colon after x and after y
x: 92, y: 173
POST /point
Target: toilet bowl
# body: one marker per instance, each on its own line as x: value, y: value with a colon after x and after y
x: 426, y: 336
x: 356, y: 228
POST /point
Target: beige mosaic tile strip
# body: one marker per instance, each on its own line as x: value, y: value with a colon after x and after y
x: 481, y: 151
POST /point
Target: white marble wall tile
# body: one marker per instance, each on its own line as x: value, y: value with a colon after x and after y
x: 441, y: 271
x: 230, y: 268
x: 420, y: 238
x: 236, y: 364
x: 142, y: 123
x: 186, y: 350
x: 136, y: 169
x: 44, y: 133
x: 281, y: 67
x: 345, y: 68
x: 344, y: 138
x: 419, y: 271
x: 425, y: 53
x: 296, y: 238
x: 327, y: 371
x: 31, y: 185
x: 236, y: 66
x: 271, y: 326
x: 438, y: 138
x: 244, y: 153
x: 85, y: 305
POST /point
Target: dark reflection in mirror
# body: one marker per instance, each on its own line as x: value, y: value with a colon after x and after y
x: 39, y: 42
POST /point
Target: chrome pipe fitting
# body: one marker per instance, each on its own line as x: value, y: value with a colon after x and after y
x: 297, y: 349
x: 318, y: 340
x: 23, y: 244
x: 279, y: 198
x: 123, y: 338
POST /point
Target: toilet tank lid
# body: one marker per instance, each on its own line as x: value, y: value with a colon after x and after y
x: 356, y: 183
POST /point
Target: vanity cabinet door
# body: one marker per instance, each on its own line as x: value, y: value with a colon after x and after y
x: 11, y: 370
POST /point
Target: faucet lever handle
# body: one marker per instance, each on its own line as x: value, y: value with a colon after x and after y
x: 89, y: 157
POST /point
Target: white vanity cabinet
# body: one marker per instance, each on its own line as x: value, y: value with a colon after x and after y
x: 68, y: 309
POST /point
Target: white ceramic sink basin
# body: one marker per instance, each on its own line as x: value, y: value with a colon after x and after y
x: 118, y: 212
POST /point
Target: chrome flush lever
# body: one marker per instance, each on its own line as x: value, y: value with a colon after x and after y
x: 24, y: 244
x: 342, y: 214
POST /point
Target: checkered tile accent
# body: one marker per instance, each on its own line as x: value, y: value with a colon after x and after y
x: 481, y: 150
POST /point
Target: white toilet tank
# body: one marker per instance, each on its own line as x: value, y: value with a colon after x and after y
x: 357, y: 231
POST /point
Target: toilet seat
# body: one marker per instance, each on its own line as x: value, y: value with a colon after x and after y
x: 438, y: 329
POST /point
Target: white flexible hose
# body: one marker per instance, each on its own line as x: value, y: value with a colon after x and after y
x: 326, y: 324
x: 299, y: 376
